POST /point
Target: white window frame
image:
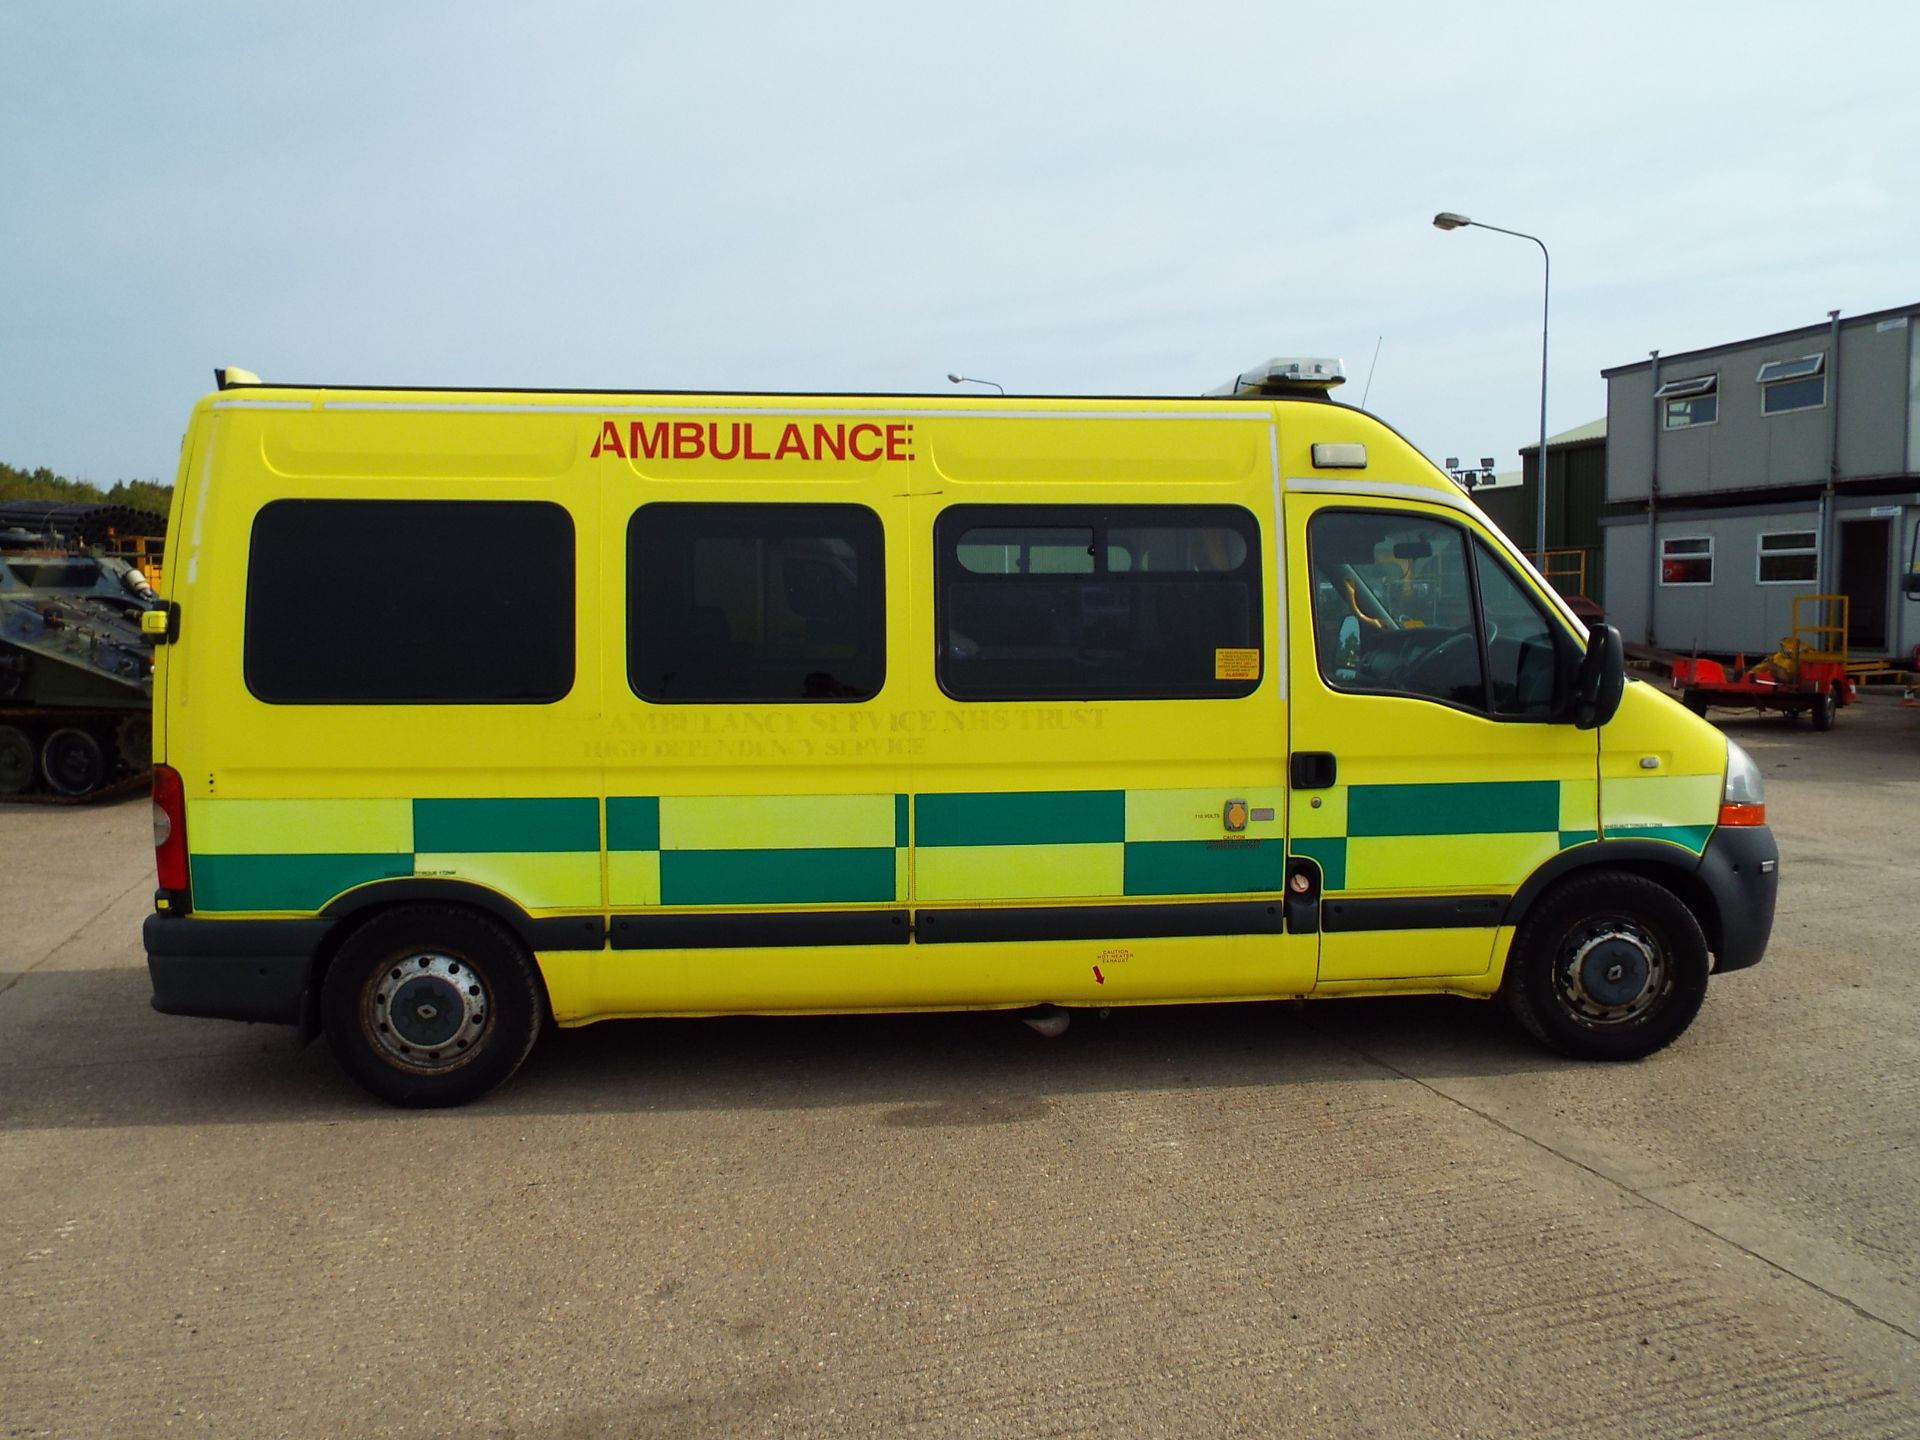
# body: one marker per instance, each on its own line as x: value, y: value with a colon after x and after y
x: 1694, y: 388
x: 1707, y: 555
x: 1787, y: 372
x: 1761, y: 553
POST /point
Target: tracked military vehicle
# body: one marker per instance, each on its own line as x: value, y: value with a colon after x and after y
x: 76, y: 675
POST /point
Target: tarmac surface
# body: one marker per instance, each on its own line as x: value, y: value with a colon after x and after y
x: 1353, y: 1218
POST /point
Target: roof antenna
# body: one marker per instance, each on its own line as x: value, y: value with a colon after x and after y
x: 1368, y: 390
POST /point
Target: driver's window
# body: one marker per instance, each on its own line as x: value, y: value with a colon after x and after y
x: 1393, y: 606
x: 1521, y: 657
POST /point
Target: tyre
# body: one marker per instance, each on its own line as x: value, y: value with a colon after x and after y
x: 17, y: 760
x: 1609, y: 966
x: 73, y: 762
x: 1823, y: 710
x: 431, y: 1005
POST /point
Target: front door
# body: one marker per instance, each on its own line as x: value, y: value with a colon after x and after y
x: 1865, y: 561
x: 1426, y: 674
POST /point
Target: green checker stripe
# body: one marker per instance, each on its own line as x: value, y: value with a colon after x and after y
x: 1031, y: 817
x: 285, y: 882
x: 1693, y: 837
x: 776, y: 877
x: 1503, y: 807
x: 899, y: 820
x: 1204, y: 867
x: 454, y: 827
x: 633, y: 822
x: 1329, y: 855
x: 1571, y: 838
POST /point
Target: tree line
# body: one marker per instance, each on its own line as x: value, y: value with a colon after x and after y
x: 41, y: 483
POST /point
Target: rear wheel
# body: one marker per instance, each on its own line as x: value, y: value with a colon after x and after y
x: 1610, y: 966
x: 73, y: 762
x: 431, y: 1005
x: 17, y: 756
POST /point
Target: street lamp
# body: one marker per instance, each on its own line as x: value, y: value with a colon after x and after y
x: 970, y: 380
x: 1448, y: 220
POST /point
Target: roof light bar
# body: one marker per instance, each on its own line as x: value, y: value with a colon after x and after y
x: 1287, y: 375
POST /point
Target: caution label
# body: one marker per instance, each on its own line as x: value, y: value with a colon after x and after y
x: 1236, y: 664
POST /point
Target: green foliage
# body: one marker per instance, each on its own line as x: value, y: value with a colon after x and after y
x: 43, y: 484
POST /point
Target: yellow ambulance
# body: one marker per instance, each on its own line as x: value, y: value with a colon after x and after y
x: 482, y: 711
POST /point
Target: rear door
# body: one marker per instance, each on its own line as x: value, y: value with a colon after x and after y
x: 1431, y: 775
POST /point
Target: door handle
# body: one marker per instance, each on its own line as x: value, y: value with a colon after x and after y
x: 1314, y: 769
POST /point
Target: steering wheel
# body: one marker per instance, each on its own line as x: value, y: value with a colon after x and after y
x: 1427, y: 674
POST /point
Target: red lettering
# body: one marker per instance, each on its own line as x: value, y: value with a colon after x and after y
x: 853, y: 441
x: 792, y: 442
x: 897, y: 442
x: 749, y: 453
x: 713, y: 442
x: 609, y: 439
x: 649, y: 442
x: 827, y: 442
x: 689, y: 440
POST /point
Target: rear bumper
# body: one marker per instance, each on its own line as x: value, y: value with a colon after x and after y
x: 233, y: 969
x: 1741, y: 868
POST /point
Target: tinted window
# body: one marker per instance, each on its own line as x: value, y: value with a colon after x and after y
x: 755, y: 603
x: 1112, y: 602
x: 422, y: 602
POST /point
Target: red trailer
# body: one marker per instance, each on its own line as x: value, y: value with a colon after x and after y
x: 1808, y: 674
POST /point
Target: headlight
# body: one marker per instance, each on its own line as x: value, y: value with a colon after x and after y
x: 1744, y: 785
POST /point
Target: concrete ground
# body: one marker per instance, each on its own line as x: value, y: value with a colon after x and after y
x: 1362, y: 1218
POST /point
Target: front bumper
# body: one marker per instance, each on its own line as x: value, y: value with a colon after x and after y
x: 1741, y: 869
x: 233, y: 969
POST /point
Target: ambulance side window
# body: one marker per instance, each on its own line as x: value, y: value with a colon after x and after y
x: 410, y: 602
x: 755, y: 604
x: 1110, y: 602
x: 1394, y: 609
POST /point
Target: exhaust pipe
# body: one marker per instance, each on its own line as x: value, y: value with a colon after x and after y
x: 1049, y: 1020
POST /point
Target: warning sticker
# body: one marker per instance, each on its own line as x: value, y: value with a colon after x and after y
x: 1236, y: 664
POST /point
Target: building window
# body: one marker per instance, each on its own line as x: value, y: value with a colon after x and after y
x: 1788, y: 557
x: 1097, y: 602
x: 1687, y: 560
x: 410, y: 602
x: 1793, y: 384
x: 1690, y: 402
x: 755, y: 604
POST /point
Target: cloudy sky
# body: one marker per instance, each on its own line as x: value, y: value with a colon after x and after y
x: 1102, y: 198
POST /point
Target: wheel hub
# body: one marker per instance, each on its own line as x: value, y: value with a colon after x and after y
x: 427, y: 1011
x: 1614, y: 972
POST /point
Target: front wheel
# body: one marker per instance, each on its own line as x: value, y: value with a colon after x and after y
x: 1610, y: 966
x: 431, y: 1005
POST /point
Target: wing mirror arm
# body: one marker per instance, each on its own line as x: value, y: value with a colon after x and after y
x: 1601, y: 679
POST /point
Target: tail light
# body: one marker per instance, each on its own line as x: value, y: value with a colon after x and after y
x: 169, y: 829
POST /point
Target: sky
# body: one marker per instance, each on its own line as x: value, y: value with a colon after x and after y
x: 1112, y: 198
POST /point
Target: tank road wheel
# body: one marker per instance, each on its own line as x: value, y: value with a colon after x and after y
x: 133, y: 738
x: 73, y: 762
x: 16, y: 760
x: 1823, y: 710
x: 431, y: 1005
x: 1610, y: 966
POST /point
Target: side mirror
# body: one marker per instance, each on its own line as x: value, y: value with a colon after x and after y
x: 1601, y: 679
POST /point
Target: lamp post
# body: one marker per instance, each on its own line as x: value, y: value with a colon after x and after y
x: 970, y: 380
x: 1447, y: 220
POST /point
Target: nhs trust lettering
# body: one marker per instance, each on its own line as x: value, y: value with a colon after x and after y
x: 753, y: 440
